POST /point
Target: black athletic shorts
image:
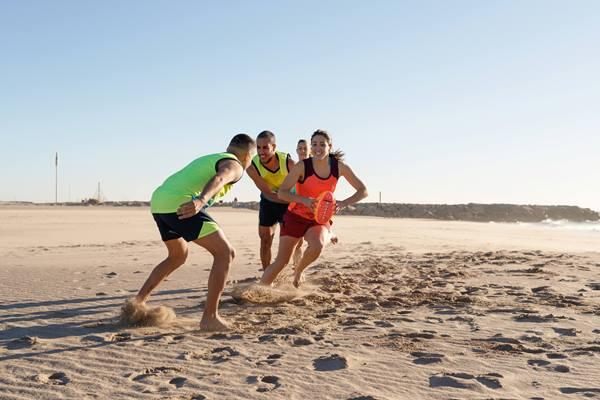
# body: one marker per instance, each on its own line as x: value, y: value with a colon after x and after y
x: 271, y: 213
x: 196, y: 227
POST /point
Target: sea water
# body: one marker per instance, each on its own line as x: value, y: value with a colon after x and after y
x: 590, y: 226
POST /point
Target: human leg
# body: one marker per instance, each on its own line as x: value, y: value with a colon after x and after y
x: 223, y: 254
x: 298, y: 252
x: 177, y: 254
x: 266, y: 234
x: 287, y: 244
x: 316, y: 238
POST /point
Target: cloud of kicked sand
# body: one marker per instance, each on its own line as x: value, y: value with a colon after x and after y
x: 134, y: 313
x: 282, y: 292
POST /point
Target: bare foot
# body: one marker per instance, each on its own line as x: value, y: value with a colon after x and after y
x: 298, y: 278
x: 140, y: 300
x: 215, y: 324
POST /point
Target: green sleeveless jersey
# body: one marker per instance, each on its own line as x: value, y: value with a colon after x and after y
x: 188, y: 183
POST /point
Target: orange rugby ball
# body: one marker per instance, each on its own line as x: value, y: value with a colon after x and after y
x: 324, y: 207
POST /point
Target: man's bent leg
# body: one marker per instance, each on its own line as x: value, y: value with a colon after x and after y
x: 177, y: 254
x: 266, y: 234
x: 223, y: 253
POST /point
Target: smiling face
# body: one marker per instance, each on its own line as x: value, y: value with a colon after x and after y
x: 302, y: 150
x: 265, y: 147
x: 320, y: 147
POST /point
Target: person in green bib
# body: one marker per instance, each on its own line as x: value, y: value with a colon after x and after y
x: 269, y: 169
x: 178, y: 207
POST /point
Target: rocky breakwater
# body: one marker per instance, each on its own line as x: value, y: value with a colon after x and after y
x: 475, y: 212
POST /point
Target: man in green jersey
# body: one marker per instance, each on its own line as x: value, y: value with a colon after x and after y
x: 178, y: 209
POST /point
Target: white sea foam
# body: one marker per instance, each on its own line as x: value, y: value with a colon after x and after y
x: 589, y: 226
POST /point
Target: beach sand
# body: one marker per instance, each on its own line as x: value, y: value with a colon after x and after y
x: 399, y: 309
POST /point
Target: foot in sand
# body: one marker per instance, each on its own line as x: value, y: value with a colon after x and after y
x: 213, y: 324
x: 298, y: 278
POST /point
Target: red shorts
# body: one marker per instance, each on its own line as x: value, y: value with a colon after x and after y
x: 296, y: 226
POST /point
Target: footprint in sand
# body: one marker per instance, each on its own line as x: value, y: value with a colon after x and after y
x: 587, y: 392
x: 23, y: 342
x: 362, y: 398
x: 222, y: 354
x: 225, y: 336
x: 94, y: 338
x: 333, y: 362
x: 594, y: 285
x: 265, y: 383
x: 556, y: 356
x: 178, y: 382
x: 423, y: 358
x: 417, y: 335
x: 119, y: 337
x: 303, y: 341
x: 272, y: 359
x: 437, y: 381
x: 58, y: 378
x: 535, y: 318
x: 461, y: 380
x: 384, y: 324
x: 538, y: 363
x: 195, y: 355
x: 547, y: 364
x: 566, y: 331
x: 148, y: 372
x: 562, y: 369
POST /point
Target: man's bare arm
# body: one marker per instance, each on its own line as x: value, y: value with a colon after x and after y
x: 229, y: 171
x: 262, y: 185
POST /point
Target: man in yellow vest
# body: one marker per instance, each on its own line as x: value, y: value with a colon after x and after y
x: 268, y: 170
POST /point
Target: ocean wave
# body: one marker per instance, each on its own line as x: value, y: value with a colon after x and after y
x: 589, y: 226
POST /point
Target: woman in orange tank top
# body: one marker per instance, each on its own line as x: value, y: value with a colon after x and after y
x: 313, y: 176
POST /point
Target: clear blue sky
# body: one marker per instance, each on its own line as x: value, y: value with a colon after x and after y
x: 433, y: 101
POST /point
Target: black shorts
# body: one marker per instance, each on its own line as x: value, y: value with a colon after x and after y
x: 271, y: 213
x: 196, y: 227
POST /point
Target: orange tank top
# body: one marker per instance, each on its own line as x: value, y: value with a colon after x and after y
x: 312, y: 185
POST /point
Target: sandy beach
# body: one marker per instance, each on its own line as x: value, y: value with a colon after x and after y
x: 399, y: 309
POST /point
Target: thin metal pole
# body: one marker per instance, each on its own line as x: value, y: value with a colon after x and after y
x: 56, y: 179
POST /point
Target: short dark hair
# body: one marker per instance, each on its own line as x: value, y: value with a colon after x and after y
x: 301, y: 141
x: 266, y: 135
x: 242, y: 142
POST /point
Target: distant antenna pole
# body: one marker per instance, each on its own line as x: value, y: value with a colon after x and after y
x: 379, y: 197
x: 56, y: 179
